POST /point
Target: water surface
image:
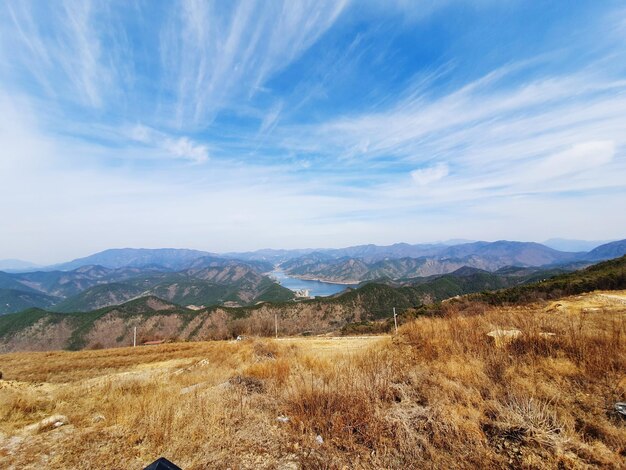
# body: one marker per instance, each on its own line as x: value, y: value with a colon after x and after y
x: 316, y: 288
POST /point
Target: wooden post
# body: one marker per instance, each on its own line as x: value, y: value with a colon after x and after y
x: 135, y: 337
x: 395, y: 319
x: 276, y: 324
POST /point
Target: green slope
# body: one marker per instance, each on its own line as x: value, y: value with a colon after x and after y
x: 608, y: 275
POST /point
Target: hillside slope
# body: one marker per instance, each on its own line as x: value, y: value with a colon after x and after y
x: 607, y: 251
x: 607, y: 275
x: 439, y: 394
x: 15, y: 300
x: 110, y: 326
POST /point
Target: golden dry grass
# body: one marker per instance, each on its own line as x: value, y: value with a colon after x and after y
x: 439, y: 395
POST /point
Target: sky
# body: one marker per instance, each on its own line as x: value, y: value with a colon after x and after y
x: 239, y: 125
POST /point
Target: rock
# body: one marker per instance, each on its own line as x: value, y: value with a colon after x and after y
x: 54, y: 421
x: 319, y: 439
x: 282, y: 419
x: 503, y: 337
x: 547, y: 335
x: 620, y: 407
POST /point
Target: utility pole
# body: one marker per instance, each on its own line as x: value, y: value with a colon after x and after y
x: 135, y: 337
x: 276, y: 324
x: 395, y: 319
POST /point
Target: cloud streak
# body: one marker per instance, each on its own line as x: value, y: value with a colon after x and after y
x: 217, y: 57
x: 69, y: 54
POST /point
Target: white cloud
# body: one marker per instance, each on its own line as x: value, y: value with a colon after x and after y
x: 185, y: 148
x: 428, y: 175
x: 579, y: 157
x: 177, y: 147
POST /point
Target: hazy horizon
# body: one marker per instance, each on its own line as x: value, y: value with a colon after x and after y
x: 245, y: 125
x: 553, y: 243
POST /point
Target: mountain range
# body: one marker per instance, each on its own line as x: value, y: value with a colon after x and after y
x: 438, y: 259
x: 205, y: 281
x: 155, y: 318
x: 193, y: 277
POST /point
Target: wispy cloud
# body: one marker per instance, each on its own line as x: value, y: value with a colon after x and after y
x: 494, y: 134
x: 65, y: 58
x: 215, y: 57
x: 578, y: 158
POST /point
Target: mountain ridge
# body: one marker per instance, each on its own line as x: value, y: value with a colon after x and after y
x: 201, y: 277
x: 155, y: 318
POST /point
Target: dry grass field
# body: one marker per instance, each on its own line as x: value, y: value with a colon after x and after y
x: 440, y: 394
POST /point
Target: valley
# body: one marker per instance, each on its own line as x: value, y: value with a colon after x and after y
x: 197, y: 278
x: 364, y: 309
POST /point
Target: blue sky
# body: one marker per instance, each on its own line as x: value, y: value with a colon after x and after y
x: 241, y: 125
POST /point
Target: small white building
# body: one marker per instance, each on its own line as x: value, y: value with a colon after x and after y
x: 302, y: 293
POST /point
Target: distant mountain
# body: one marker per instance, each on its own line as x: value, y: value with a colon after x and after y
x: 527, y: 253
x: 607, y: 251
x: 509, y: 253
x: 489, y: 256
x: 16, y: 265
x: 171, y: 258
x: 323, y: 267
x: 373, y: 253
x: 500, y: 252
x: 212, y: 261
x: 457, y: 241
x: 564, y: 244
x: 269, y: 255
